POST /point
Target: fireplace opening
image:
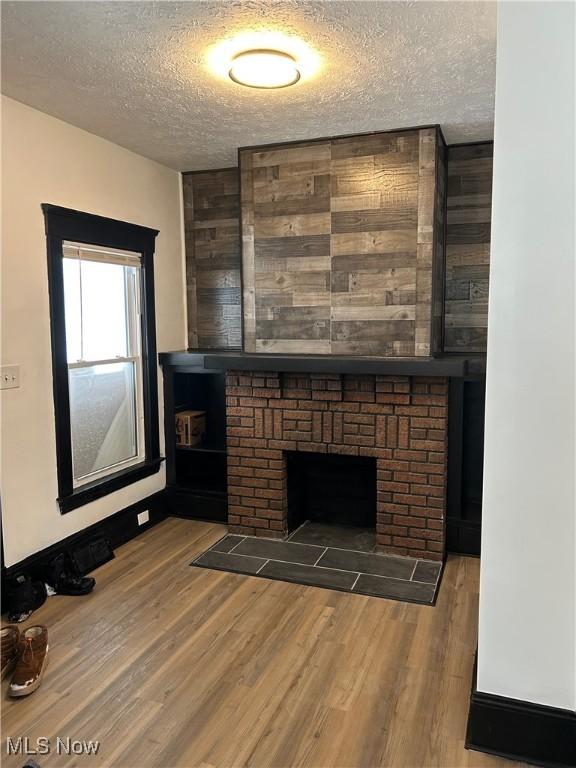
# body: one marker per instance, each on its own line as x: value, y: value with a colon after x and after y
x: 335, y: 496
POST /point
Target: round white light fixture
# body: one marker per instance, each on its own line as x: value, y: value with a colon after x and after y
x: 264, y: 68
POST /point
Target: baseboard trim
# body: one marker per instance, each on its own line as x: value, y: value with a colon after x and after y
x: 521, y: 730
x: 118, y: 528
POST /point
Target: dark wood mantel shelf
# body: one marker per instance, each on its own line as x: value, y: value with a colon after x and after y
x: 213, y: 360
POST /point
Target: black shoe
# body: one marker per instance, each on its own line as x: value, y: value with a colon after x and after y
x: 62, y: 578
x: 23, y: 596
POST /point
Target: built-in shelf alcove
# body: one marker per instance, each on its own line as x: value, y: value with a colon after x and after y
x: 196, y: 475
x: 202, y: 468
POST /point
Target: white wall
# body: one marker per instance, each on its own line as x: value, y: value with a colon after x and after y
x: 47, y: 161
x: 527, y: 642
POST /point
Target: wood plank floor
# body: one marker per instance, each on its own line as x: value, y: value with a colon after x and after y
x: 168, y: 665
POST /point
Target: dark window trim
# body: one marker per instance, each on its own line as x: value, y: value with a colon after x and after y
x: 66, y: 224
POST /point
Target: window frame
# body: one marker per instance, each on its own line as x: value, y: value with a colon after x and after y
x: 133, y: 353
x: 67, y: 225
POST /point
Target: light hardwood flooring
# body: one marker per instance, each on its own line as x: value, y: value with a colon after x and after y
x: 168, y: 665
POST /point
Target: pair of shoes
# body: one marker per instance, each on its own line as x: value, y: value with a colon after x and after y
x: 60, y: 575
x: 23, y: 596
x: 27, y: 654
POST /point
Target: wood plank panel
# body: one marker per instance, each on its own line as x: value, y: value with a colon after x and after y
x: 213, y: 260
x: 384, y: 243
x: 248, y: 253
x: 286, y: 198
x: 312, y: 152
x: 291, y: 226
x: 468, y: 247
x: 373, y: 220
x: 374, y: 249
x: 439, y: 255
x: 345, y: 224
x: 425, y: 239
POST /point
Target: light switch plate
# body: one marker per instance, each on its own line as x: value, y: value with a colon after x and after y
x: 9, y: 376
x: 143, y: 517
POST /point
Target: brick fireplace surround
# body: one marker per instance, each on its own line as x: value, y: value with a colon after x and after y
x: 399, y: 420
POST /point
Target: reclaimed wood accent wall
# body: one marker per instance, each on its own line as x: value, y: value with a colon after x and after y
x: 439, y: 271
x: 468, y: 247
x: 213, y: 260
x: 341, y: 248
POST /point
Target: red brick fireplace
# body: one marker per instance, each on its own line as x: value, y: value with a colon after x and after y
x: 399, y: 420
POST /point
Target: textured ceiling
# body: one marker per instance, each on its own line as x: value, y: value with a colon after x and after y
x: 136, y: 72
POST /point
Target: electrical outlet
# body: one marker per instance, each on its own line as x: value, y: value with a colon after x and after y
x: 9, y: 376
x: 143, y: 517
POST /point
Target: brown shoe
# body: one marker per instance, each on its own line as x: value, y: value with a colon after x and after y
x: 31, y: 661
x: 9, y: 640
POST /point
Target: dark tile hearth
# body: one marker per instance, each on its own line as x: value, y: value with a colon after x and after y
x: 226, y: 561
x: 377, y: 565
x: 339, y: 536
x: 322, y: 565
x: 226, y: 544
x: 426, y: 572
x: 396, y: 589
x: 308, y: 574
x: 273, y: 549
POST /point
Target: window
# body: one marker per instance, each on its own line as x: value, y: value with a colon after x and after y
x: 104, y: 359
x: 104, y: 353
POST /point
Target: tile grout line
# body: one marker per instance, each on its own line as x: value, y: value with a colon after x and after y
x: 234, y: 547
x: 325, y: 549
x: 259, y: 557
x: 286, y: 562
x: 295, y: 531
x: 314, y: 565
x: 350, y: 589
x: 329, y: 546
x: 320, y: 558
x: 355, y: 582
x: 297, y: 543
x: 317, y: 585
x: 324, y: 586
x: 317, y: 567
x: 340, y: 549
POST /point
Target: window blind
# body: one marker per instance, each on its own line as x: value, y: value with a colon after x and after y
x: 85, y: 252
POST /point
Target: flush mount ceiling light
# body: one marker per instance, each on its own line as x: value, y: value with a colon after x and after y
x: 264, y: 68
x: 263, y: 58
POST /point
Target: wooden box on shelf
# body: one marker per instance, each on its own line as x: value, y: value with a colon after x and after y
x: 190, y: 427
